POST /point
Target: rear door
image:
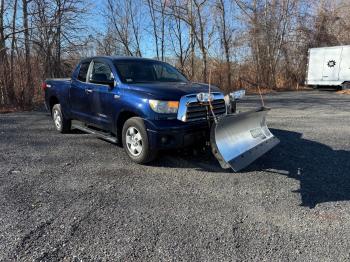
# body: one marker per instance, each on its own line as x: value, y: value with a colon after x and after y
x: 344, y: 71
x: 315, y: 66
x: 80, y: 94
x: 331, y: 64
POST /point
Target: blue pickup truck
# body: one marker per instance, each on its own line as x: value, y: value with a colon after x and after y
x: 144, y: 105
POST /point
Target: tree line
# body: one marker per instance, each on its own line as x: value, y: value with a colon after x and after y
x: 240, y: 43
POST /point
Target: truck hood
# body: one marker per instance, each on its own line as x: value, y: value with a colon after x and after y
x: 170, y: 90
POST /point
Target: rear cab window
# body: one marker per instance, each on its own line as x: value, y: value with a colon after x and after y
x: 84, y: 67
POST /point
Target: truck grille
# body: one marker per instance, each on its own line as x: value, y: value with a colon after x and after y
x: 198, y: 111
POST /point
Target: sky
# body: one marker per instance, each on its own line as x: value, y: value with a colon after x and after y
x: 96, y: 8
x: 98, y: 23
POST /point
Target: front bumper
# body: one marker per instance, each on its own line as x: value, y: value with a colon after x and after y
x: 172, y: 134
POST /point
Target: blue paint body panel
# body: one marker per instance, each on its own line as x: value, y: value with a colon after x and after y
x: 104, y: 105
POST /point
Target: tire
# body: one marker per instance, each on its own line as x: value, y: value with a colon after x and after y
x: 135, y: 141
x: 61, y: 123
x: 345, y: 86
x: 233, y: 107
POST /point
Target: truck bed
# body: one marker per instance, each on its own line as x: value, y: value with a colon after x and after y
x: 57, y: 80
x: 58, y: 88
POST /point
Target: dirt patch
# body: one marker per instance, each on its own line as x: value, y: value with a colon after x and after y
x: 266, y: 90
x: 8, y: 110
x: 39, y: 105
x: 344, y: 92
x: 263, y: 91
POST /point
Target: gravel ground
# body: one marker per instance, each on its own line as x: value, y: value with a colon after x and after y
x: 75, y: 197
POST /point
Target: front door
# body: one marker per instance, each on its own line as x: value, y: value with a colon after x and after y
x: 344, y: 71
x: 104, y: 101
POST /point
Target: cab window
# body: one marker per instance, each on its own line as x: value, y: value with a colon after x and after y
x: 84, y: 67
x: 101, y: 72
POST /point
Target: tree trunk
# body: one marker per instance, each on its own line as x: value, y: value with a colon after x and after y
x: 58, y: 71
x: 7, y: 91
x: 154, y: 24
x: 3, y: 58
x: 192, y: 39
x: 202, y: 44
x: 163, y: 29
x: 11, y: 85
x: 28, y: 91
x: 225, y: 41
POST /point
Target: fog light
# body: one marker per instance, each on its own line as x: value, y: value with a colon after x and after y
x: 164, y: 139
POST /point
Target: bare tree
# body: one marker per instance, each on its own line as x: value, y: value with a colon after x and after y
x: 56, y: 31
x: 11, y: 93
x: 268, y: 23
x: 181, y: 46
x: 196, y: 14
x: 125, y: 18
x: 226, y: 34
x: 106, y: 44
x: 3, y: 57
x: 199, y: 34
x: 266, y: 40
x: 153, y: 15
x: 2, y: 26
x: 27, y: 90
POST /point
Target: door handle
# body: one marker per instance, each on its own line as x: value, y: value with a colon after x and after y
x: 88, y: 91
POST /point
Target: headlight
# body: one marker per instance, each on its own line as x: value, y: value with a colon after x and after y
x: 205, y: 97
x: 164, y: 107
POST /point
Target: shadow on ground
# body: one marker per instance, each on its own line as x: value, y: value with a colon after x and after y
x: 324, y: 173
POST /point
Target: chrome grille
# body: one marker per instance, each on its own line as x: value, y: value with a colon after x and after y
x: 190, y: 109
x: 198, y: 111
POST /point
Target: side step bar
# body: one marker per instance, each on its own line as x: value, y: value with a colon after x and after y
x: 99, y: 133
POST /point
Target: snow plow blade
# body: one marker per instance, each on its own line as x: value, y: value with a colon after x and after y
x: 239, y: 139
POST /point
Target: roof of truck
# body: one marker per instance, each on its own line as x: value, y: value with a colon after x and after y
x: 116, y: 58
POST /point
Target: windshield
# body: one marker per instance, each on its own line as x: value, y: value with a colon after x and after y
x: 143, y: 71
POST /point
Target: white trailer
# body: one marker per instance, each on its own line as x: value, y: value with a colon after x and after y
x: 329, y: 66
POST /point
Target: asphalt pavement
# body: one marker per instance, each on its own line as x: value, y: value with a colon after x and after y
x: 74, y: 197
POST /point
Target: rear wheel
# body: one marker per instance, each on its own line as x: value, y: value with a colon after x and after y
x: 345, y: 86
x: 135, y: 141
x: 61, y: 123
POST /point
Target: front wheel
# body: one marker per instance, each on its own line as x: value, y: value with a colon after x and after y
x: 135, y: 141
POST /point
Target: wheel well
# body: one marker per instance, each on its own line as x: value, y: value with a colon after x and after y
x: 121, y: 120
x: 53, y: 101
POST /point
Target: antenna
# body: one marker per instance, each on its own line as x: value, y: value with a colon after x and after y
x: 209, y: 100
